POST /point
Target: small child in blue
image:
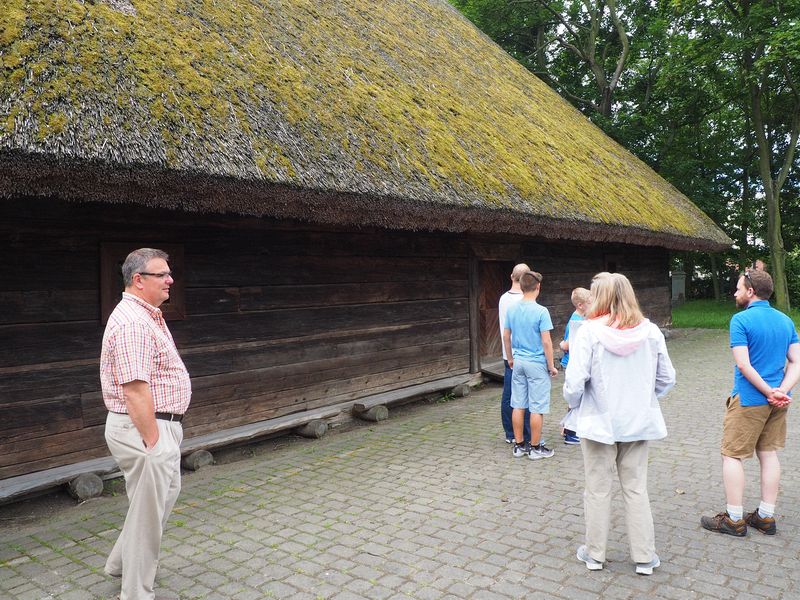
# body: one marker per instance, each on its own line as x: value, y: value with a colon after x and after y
x: 580, y: 300
x: 530, y: 355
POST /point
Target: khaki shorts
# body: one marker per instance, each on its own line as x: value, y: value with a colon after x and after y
x: 749, y: 428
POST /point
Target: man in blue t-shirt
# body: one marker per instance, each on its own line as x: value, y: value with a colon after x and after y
x: 767, y: 354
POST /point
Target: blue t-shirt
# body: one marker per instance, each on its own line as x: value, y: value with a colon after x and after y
x: 767, y: 333
x: 575, y: 317
x: 527, y: 320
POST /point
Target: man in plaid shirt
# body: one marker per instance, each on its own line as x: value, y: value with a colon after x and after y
x: 146, y: 389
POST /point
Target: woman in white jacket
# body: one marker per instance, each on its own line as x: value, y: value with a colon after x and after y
x: 618, y: 368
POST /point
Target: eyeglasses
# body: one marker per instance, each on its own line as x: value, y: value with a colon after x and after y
x: 163, y: 275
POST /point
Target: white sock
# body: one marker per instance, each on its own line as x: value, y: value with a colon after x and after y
x: 735, y: 512
x: 766, y: 510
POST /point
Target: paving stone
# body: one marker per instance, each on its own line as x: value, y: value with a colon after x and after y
x: 430, y: 504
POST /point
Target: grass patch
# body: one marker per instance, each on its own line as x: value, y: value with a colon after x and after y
x: 710, y: 314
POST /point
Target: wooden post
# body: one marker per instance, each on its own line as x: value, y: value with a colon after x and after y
x: 474, y: 316
x: 461, y: 390
x: 85, y: 486
x: 375, y: 413
x: 313, y: 429
x: 196, y: 460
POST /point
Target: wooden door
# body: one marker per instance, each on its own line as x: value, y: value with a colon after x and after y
x: 493, y: 280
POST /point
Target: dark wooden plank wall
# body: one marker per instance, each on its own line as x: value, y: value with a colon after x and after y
x: 281, y: 318
x: 566, y: 267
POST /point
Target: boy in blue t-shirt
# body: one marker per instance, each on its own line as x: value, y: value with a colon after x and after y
x: 580, y: 300
x: 530, y: 355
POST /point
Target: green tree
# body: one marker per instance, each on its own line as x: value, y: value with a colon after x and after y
x: 757, y: 42
x: 579, y: 47
x: 705, y: 92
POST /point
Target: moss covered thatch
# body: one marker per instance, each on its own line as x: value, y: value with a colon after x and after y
x: 396, y: 113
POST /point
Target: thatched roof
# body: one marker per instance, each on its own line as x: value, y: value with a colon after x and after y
x: 396, y: 113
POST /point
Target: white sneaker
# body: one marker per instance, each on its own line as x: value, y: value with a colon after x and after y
x: 591, y: 564
x: 647, y: 568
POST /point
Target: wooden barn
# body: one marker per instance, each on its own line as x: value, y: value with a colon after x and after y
x: 343, y: 187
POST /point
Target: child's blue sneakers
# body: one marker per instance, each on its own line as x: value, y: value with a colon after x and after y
x: 571, y: 439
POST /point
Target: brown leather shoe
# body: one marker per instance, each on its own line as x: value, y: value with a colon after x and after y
x: 722, y: 523
x: 765, y: 525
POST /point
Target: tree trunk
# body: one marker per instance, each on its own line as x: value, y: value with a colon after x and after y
x: 772, y: 192
x: 777, y: 252
x: 605, y: 101
x: 744, y: 226
x: 715, y: 277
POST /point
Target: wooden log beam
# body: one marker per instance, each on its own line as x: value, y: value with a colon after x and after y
x: 197, y: 460
x: 85, y: 486
x: 313, y: 429
x: 461, y: 390
x: 372, y: 413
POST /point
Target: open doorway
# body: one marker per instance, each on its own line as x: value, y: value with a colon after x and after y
x: 493, y: 281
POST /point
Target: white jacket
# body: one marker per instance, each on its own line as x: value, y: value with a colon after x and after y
x: 613, y: 381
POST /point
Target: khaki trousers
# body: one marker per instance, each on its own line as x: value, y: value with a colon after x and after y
x: 603, y: 463
x: 152, y: 482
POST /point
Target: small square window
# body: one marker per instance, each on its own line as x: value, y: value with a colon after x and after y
x: 612, y: 262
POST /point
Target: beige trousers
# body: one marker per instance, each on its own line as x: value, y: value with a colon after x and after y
x: 152, y: 482
x: 603, y: 463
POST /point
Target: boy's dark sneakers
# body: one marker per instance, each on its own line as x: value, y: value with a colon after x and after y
x: 724, y: 524
x: 520, y: 450
x: 539, y: 451
x: 570, y: 439
x: 765, y: 525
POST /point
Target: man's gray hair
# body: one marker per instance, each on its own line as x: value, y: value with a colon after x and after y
x: 519, y: 271
x: 136, y: 262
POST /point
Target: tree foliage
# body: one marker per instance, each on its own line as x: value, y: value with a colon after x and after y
x: 704, y: 91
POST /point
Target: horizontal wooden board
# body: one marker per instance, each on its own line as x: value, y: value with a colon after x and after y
x: 51, y: 451
x: 25, y: 420
x: 262, y: 406
x: 311, y: 244
x: 296, y: 377
x: 273, y: 297
x: 35, y: 344
x: 60, y: 449
x: 93, y: 447
x: 214, y: 300
x: 299, y: 322
x: 249, y: 269
x: 33, y: 384
x: 226, y: 358
x: 34, y: 306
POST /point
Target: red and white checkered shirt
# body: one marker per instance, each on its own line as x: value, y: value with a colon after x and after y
x: 138, y: 346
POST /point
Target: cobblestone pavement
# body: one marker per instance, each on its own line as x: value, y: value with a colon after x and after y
x: 430, y: 504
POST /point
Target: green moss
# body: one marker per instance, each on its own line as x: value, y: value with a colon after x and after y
x: 53, y: 125
x: 403, y: 91
x: 12, y: 20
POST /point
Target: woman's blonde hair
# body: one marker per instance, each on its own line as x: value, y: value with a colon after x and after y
x: 612, y: 295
